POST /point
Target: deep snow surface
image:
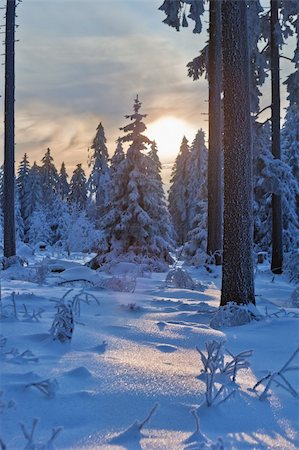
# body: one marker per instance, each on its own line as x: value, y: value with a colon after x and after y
x: 124, y: 359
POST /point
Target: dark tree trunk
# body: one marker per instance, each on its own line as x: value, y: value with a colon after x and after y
x: 237, y: 273
x: 277, y: 249
x: 214, y: 241
x: 9, y: 138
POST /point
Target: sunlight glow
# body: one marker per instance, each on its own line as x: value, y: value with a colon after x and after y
x: 168, y: 133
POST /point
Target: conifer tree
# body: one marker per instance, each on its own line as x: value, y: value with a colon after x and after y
x: 178, y: 193
x: 23, y: 187
x: 78, y: 188
x: 49, y: 178
x: 99, y: 177
x: 34, y: 196
x: 131, y: 227
x: 63, y: 185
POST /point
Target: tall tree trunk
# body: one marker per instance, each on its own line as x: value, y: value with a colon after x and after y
x: 277, y: 250
x: 214, y: 241
x: 237, y: 273
x: 9, y: 138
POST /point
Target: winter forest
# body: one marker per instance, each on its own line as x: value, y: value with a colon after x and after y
x: 137, y: 312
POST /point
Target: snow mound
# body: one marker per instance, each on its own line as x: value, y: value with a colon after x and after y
x: 79, y: 373
x: 233, y: 315
x: 81, y: 273
x: 179, y: 278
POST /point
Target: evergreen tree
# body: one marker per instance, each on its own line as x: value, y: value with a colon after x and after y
x: 23, y: 189
x: 100, y: 176
x: 78, y: 188
x: 49, y: 178
x: 1, y: 187
x: 197, y: 173
x: 34, y: 196
x: 178, y: 193
x: 195, y: 248
x: 132, y: 230
x: 39, y: 227
x: 63, y: 185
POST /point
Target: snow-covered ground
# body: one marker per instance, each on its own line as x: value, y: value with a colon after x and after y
x: 136, y: 350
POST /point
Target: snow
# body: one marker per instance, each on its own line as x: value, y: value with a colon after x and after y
x: 131, y: 376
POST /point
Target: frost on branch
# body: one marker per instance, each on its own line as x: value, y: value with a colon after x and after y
x: 233, y: 315
x: 32, y: 443
x: 218, y: 372
x: 179, y: 278
x: 279, y: 378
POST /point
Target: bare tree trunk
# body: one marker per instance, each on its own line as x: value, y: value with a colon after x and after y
x: 214, y: 241
x: 277, y: 249
x: 237, y: 273
x: 9, y: 144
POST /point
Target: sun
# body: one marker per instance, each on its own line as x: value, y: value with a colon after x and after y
x: 168, y: 133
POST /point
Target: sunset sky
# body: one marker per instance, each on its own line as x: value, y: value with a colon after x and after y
x: 82, y: 62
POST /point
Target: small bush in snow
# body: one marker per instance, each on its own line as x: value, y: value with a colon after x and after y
x: 198, y: 440
x: 32, y: 443
x: 179, y: 278
x: 132, y: 307
x: 68, y: 309
x: 279, y: 378
x: 120, y: 283
x: 13, y: 261
x: 47, y: 387
x: 134, y: 431
x: 233, y: 315
x: 218, y: 371
x: 63, y: 324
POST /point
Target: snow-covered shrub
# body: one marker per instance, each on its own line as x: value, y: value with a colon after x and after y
x: 279, y: 378
x: 32, y: 443
x: 134, y: 432
x: 120, y: 284
x: 63, y: 325
x: 218, y: 371
x: 47, y: 387
x: 233, y: 314
x: 179, y: 278
x: 17, y: 261
x: 198, y: 440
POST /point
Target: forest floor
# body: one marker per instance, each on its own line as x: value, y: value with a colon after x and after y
x: 131, y: 351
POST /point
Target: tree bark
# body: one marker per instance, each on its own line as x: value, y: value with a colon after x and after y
x: 9, y: 125
x: 277, y: 248
x: 237, y: 273
x: 214, y: 241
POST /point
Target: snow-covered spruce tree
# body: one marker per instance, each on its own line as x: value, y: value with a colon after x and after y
x: 1, y: 187
x: 273, y: 176
x: 130, y: 223
x: 197, y: 170
x: 22, y: 183
x: 178, y: 193
x: 78, y: 188
x: 237, y: 274
x: 62, y: 184
x: 34, y: 196
x: 195, y: 248
x: 20, y: 228
x: 39, y: 227
x: 99, y: 177
x: 49, y: 178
